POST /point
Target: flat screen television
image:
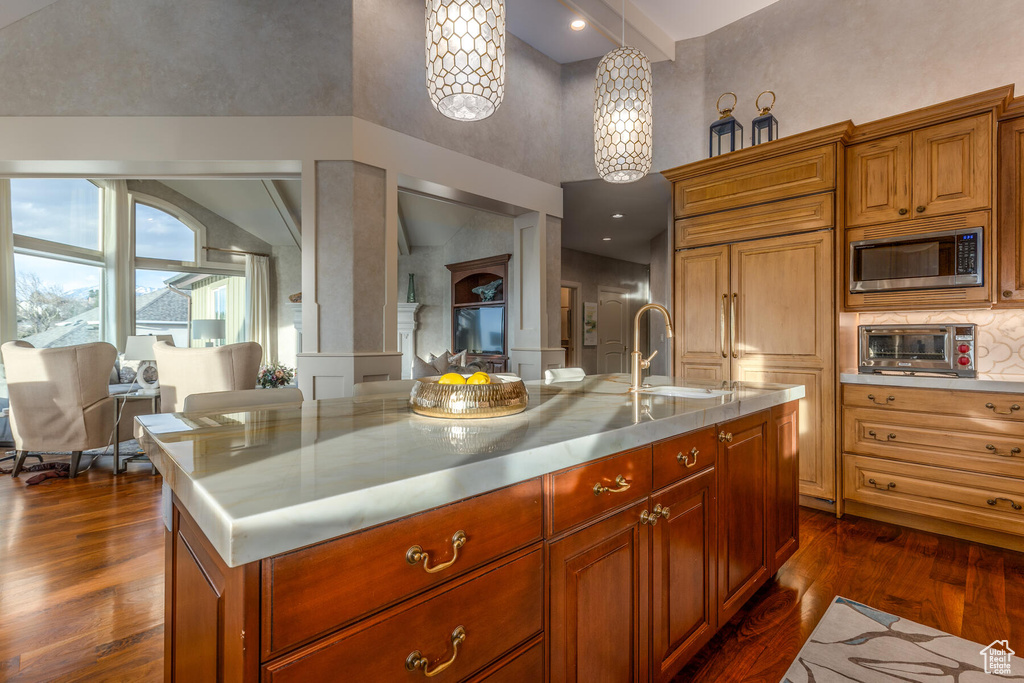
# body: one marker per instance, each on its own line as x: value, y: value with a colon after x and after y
x: 480, y: 330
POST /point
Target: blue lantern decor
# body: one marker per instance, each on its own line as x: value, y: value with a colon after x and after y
x: 726, y: 132
x: 765, y: 127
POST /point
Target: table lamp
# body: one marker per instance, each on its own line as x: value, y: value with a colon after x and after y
x: 140, y: 348
x: 210, y: 329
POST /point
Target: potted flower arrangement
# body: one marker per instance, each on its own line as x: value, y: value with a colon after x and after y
x: 275, y: 375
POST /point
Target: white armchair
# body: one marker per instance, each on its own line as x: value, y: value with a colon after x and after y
x: 184, y: 372
x: 59, y: 399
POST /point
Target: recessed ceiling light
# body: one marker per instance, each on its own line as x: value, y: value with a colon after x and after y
x: 607, y: 239
x: 616, y: 215
x: 578, y: 25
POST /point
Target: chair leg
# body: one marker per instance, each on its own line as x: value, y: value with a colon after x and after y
x: 19, y: 460
x: 76, y: 458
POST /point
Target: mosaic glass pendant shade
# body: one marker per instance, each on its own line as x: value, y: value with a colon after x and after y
x: 623, y: 120
x: 465, y: 53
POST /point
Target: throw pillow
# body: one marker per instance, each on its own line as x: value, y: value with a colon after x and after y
x: 129, y: 368
x: 421, y: 368
x: 458, y: 359
x: 441, y: 362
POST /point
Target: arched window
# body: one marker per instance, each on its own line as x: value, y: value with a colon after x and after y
x: 160, y: 235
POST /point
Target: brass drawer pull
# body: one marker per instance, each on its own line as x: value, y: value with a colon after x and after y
x: 888, y: 399
x: 620, y: 480
x: 725, y: 436
x: 1015, y: 506
x: 889, y: 437
x: 685, y: 459
x: 1013, y: 408
x: 416, y: 554
x: 653, y: 517
x: 891, y: 485
x: 1013, y: 451
x: 415, y: 660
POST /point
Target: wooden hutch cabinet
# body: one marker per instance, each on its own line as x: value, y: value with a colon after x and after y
x: 480, y: 318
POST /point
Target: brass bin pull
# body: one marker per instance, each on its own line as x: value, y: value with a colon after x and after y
x: 416, y: 554
x: 888, y: 399
x: 1015, y: 506
x: 725, y: 436
x: 653, y: 517
x: 887, y: 487
x: 415, y: 660
x: 1013, y: 408
x: 686, y: 459
x: 889, y: 437
x: 1013, y: 451
x: 725, y: 304
x: 620, y: 480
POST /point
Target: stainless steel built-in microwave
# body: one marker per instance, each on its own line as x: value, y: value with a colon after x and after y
x: 934, y: 260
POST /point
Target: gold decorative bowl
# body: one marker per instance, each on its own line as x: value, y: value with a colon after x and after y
x: 467, y: 401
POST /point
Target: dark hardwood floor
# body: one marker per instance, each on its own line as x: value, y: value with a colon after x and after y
x: 81, y: 585
x: 81, y: 577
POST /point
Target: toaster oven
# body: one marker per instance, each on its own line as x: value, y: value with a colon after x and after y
x: 912, y: 349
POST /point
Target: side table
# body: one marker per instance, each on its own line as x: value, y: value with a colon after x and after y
x: 121, y: 466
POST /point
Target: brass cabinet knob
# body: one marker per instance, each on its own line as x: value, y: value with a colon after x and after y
x: 725, y: 436
x: 653, y: 517
x: 903, y: 212
x: 920, y: 209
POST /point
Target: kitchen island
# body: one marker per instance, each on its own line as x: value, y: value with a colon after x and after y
x: 599, y: 535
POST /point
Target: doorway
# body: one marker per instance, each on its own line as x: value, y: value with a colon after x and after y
x: 571, y: 324
x: 612, y: 330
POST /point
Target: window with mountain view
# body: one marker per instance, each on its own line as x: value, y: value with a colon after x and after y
x: 58, y: 301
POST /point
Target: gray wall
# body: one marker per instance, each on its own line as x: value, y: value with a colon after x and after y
x: 661, y: 293
x: 485, y: 234
x: 181, y: 58
x: 594, y: 271
x: 388, y: 85
x: 827, y: 60
x: 286, y: 279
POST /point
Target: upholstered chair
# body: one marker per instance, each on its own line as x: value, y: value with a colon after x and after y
x: 184, y: 372
x: 219, y: 401
x: 60, y: 399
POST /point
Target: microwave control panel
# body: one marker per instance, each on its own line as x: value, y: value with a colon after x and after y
x: 967, y: 253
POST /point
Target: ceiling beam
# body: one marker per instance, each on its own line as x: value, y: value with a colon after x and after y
x: 605, y: 16
x: 284, y: 210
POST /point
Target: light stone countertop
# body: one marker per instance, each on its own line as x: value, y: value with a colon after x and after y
x: 1008, y: 384
x: 269, y: 481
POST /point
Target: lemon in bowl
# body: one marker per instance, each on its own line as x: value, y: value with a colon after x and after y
x: 479, y: 378
x: 451, y: 378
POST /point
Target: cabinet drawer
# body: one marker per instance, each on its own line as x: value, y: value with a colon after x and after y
x: 984, y: 404
x: 979, y: 500
x: 589, y: 490
x: 496, y: 611
x: 303, y: 595
x: 518, y: 667
x: 679, y: 457
x: 790, y: 175
x: 991, y: 446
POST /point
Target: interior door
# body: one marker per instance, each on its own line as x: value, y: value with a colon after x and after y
x: 612, y: 330
x: 701, y: 315
x: 784, y: 330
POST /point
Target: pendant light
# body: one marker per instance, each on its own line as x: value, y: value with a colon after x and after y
x: 466, y: 57
x: 623, y: 122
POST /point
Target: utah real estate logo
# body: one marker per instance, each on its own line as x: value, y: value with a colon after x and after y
x: 997, y: 658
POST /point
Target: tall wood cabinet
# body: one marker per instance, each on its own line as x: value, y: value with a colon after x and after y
x: 760, y: 304
x: 1011, y: 210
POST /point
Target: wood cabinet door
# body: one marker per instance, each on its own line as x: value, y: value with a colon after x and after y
x: 743, y: 558
x: 878, y: 181
x: 953, y: 166
x: 1010, y: 263
x: 683, y: 556
x: 599, y: 600
x: 701, y: 313
x: 784, y: 483
x: 784, y: 330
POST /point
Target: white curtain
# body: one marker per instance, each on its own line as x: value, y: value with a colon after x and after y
x: 257, y: 302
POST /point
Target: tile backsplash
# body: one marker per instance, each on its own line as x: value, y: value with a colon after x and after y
x: 1000, y: 342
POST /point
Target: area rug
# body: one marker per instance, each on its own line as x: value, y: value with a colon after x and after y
x: 854, y: 642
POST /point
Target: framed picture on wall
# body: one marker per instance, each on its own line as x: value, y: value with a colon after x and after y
x: 590, y: 323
